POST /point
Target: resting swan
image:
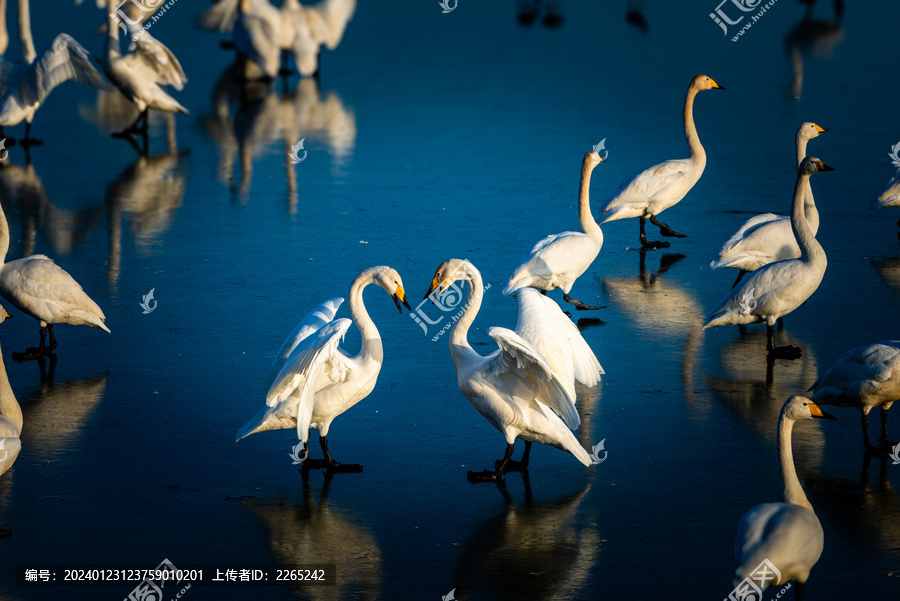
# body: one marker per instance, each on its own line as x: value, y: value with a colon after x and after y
x: 788, y: 535
x: 766, y: 238
x: 649, y: 193
x: 313, y: 380
x: 10, y: 417
x: 778, y: 288
x: 525, y: 389
x: 558, y: 260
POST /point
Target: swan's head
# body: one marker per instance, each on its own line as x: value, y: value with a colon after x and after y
x: 452, y: 270
x: 4, y: 315
x: 704, y: 82
x: 799, y: 407
x: 389, y: 279
x: 810, y: 130
x: 812, y: 165
x: 592, y: 159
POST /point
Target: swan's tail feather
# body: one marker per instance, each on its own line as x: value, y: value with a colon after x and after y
x: 262, y: 421
x: 578, y: 451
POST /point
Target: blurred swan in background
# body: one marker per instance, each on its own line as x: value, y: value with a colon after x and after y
x: 812, y: 37
x: 864, y: 377
x: 890, y: 197
x: 10, y: 417
x: 525, y: 388
x: 39, y: 287
x: 652, y: 191
x: 313, y: 380
x: 558, y: 260
x: 766, y: 238
x: 788, y: 534
x: 778, y: 288
x: 27, y: 84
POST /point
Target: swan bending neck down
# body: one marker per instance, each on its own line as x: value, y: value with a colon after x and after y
x: 767, y: 238
x: 652, y: 191
x: 788, y: 535
x: 313, y: 380
x: 10, y: 417
x: 558, y: 260
x: 516, y: 388
x: 778, y: 288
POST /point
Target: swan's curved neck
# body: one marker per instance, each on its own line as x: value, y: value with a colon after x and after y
x: 810, y: 249
x: 588, y: 224
x: 4, y: 236
x: 460, y: 348
x: 698, y: 155
x: 28, y: 53
x: 793, y: 492
x: 372, y: 349
x: 812, y: 213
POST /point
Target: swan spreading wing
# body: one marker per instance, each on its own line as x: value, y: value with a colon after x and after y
x: 314, y: 320
x: 519, y: 358
x: 156, y: 57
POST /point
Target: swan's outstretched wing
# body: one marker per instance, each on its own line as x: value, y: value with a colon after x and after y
x: 65, y: 60
x: 314, y: 320
x: 157, y: 58
x: 519, y: 358
x: 858, y: 373
x: 220, y: 16
x: 330, y: 21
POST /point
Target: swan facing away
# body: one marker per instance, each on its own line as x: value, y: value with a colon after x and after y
x: 558, y: 260
x: 864, y: 377
x: 39, y: 287
x: 26, y: 85
x: 650, y: 192
x: 313, y: 380
x: 776, y: 289
x: 766, y: 238
x: 788, y: 535
x: 526, y: 387
x: 10, y: 417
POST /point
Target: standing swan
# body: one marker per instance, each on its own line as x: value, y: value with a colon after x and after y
x: 649, y: 193
x: 516, y: 388
x: 39, y: 287
x: 10, y: 417
x: 558, y: 260
x: 313, y: 380
x: 778, y: 288
x: 864, y: 377
x: 766, y: 238
x: 788, y: 535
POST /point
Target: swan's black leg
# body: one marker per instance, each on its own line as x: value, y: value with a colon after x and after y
x: 52, y: 339
x: 779, y: 352
x: 579, y: 305
x: 664, y: 229
x: 32, y: 352
x: 643, y: 238
x: 884, y: 444
x: 332, y: 465
x: 867, y: 443
x: 486, y: 476
x: 799, y: 590
x: 284, y: 70
x: 741, y: 275
x: 517, y: 466
x: 28, y: 140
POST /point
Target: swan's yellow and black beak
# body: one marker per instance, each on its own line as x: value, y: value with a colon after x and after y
x: 816, y: 411
x: 435, y: 284
x: 714, y: 85
x: 6, y: 315
x: 820, y: 129
x: 400, y: 297
x: 820, y: 166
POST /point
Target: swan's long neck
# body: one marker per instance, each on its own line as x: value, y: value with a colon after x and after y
x: 372, y: 349
x: 460, y: 348
x: 4, y: 237
x: 9, y: 407
x: 588, y: 224
x: 113, y: 50
x: 28, y: 53
x: 698, y: 155
x: 812, y: 213
x: 810, y: 249
x: 793, y: 492
x: 4, y: 32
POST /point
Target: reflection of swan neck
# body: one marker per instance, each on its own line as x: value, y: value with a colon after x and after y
x: 588, y: 224
x: 9, y: 407
x: 459, y: 335
x: 793, y: 492
x: 28, y: 53
x: 811, y: 250
x: 371, y: 339
x: 698, y: 155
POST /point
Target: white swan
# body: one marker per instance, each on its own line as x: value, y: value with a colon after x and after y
x: 890, y: 197
x: 768, y: 237
x: 864, y: 377
x: 142, y: 71
x: 312, y: 380
x: 39, y: 287
x: 778, y: 288
x: 788, y: 535
x: 26, y: 85
x: 518, y: 387
x: 650, y: 192
x: 558, y: 260
x: 10, y: 417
